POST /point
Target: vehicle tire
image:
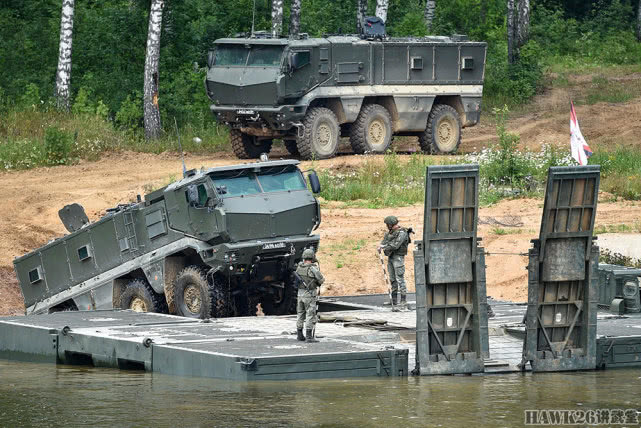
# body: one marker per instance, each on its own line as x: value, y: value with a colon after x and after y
x: 283, y: 302
x: 372, y: 130
x: 291, y: 147
x: 320, y: 134
x: 247, y: 146
x: 140, y: 297
x: 443, y: 132
x: 194, y: 297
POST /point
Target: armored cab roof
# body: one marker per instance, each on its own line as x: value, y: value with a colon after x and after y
x: 199, y: 174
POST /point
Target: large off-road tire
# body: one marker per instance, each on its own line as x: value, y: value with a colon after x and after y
x: 247, y: 146
x: 292, y: 147
x: 140, y: 297
x: 443, y: 132
x: 372, y: 130
x: 282, y: 302
x: 320, y: 134
x: 194, y: 297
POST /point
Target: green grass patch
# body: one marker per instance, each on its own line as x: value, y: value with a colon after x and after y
x: 501, y: 231
x: 609, y: 91
x: 618, y: 228
x: 32, y: 138
x: 620, y: 170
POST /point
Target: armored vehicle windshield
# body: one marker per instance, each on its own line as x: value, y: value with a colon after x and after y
x: 248, y: 55
x: 246, y: 182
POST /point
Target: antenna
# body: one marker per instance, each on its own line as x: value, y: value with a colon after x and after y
x: 182, y: 155
x: 253, y: 18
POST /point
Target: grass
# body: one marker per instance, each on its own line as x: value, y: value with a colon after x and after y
x: 618, y: 228
x: 609, y: 91
x: 500, y: 231
x: 24, y: 143
x: 620, y: 170
x: 344, y: 251
x: 606, y: 256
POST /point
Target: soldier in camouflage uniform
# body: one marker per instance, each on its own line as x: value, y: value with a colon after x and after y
x: 394, y: 246
x: 312, y: 279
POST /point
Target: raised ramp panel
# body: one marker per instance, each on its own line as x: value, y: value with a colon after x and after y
x: 451, y: 301
x: 562, y: 275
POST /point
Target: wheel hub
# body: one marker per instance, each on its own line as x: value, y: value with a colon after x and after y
x: 138, y: 305
x: 192, y: 299
x: 324, y: 135
x: 376, y: 133
x: 447, y: 134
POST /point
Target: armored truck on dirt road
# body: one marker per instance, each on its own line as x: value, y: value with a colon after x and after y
x: 309, y: 92
x: 214, y: 244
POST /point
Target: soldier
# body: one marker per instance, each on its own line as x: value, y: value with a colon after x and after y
x: 394, y: 246
x: 312, y: 279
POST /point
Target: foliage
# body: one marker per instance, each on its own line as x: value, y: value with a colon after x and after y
x: 620, y: 170
x: 606, y: 256
x: 57, y: 146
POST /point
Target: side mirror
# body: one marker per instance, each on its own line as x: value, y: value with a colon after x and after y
x: 314, y: 182
x: 210, y: 59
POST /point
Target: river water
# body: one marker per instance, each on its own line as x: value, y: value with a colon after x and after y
x: 42, y: 395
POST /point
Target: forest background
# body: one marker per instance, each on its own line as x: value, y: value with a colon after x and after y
x: 109, y: 41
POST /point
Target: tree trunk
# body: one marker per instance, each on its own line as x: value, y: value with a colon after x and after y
x: 63, y: 73
x: 523, y: 20
x: 361, y: 13
x: 511, y: 27
x: 639, y: 22
x: 294, y: 18
x: 150, y: 102
x: 430, y: 7
x: 381, y: 9
x: 277, y: 17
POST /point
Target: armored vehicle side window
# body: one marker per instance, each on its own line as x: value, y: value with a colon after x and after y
x: 84, y: 253
x: 281, y: 179
x: 265, y: 56
x: 35, y: 275
x: 230, y: 55
x: 236, y: 184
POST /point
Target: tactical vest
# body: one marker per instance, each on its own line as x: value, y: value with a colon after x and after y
x: 402, y: 250
x: 304, y: 271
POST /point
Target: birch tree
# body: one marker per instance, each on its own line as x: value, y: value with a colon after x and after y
x: 150, y: 99
x: 518, y: 27
x: 361, y: 13
x: 63, y: 72
x: 381, y: 9
x: 430, y: 7
x: 277, y: 17
x: 294, y: 18
x: 639, y: 22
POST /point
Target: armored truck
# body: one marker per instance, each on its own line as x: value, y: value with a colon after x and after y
x: 309, y: 92
x: 216, y: 243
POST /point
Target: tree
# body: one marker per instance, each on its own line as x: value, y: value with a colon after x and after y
x: 150, y: 97
x: 277, y: 17
x: 518, y: 27
x: 639, y: 22
x: 63, y: 73
x: 294, y: 18
x: 361, y: 13
x: 430, y: 7
x: 381, y: 9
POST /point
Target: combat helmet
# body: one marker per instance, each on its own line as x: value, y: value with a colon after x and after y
x: 308, y: 254
x: 391, y: 220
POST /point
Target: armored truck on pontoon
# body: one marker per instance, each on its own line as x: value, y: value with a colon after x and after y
x: 309, y: 92
x: 214, y: 244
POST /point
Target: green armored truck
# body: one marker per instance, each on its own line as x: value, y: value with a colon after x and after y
x: 309, y: 92
x: 216, y: 243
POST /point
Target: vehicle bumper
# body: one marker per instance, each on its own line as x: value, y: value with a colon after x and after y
x: 280, y: 118
x: 239, y: 257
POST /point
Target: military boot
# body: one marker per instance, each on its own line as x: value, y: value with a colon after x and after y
x: 403, y: 300
x: 300, y: 335
x: 394, y: 294
x: 310, y: 336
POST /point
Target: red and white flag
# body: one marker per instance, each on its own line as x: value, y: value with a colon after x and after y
x: 580, y: 149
